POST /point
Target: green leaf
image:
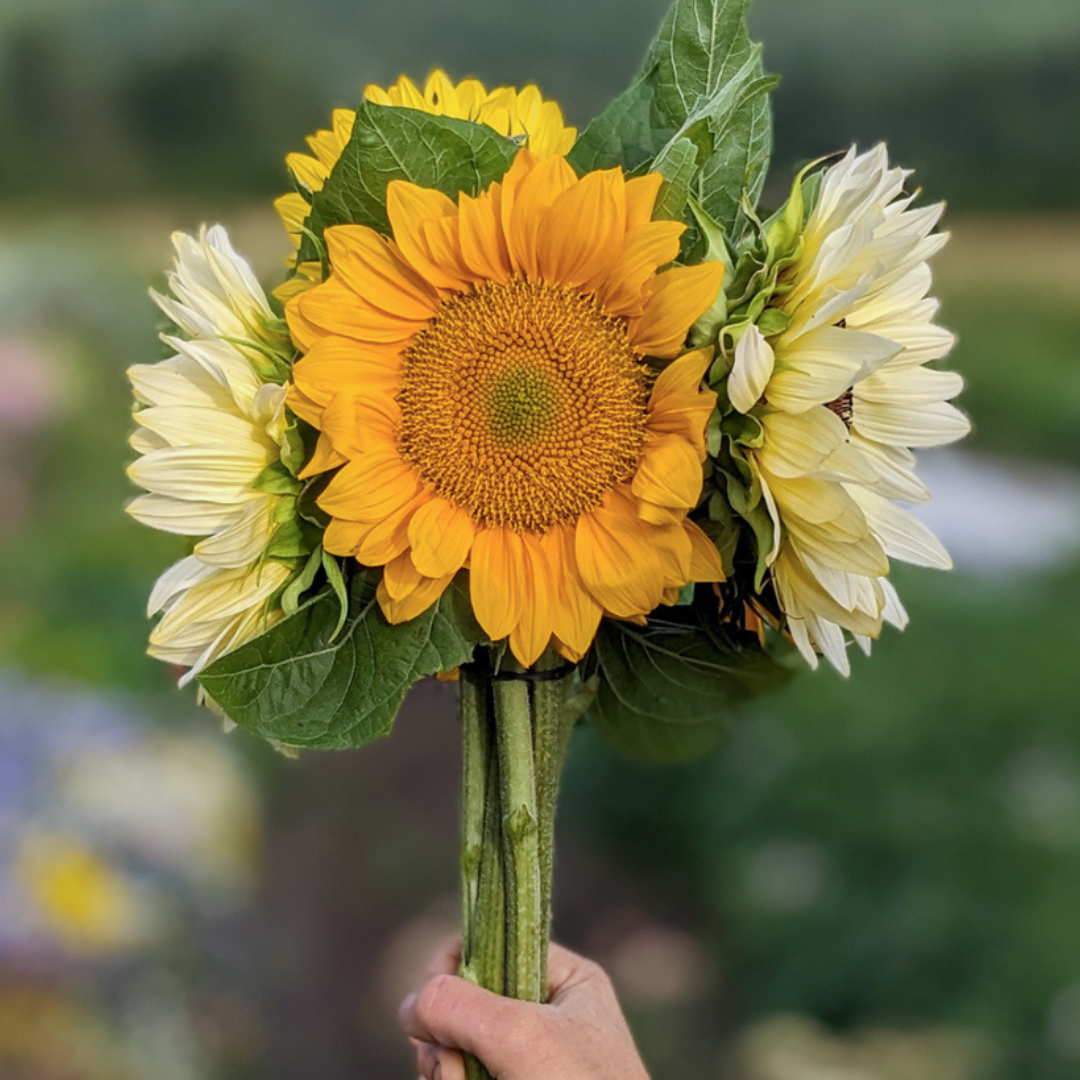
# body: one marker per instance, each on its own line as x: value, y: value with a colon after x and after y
x: 702, y: 80
x: 667, y: 689
x: 678, y: 162
x: 392, y: 143
x: 630, y: 132
x: 299, y: 685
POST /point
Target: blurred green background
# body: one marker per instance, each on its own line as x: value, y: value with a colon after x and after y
x: 876, y: 879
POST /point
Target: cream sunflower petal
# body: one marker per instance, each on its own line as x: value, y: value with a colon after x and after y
x: 751, y: 371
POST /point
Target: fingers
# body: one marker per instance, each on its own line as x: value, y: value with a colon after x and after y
x: 438, y: 1063
x: 450, y: 1012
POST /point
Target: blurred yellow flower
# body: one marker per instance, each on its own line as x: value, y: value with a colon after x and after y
x: 90, y: 906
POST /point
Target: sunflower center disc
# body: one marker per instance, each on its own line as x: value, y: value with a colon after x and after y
x: 523, y: 403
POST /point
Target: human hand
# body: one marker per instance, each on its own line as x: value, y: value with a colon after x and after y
x: 580, y: 1034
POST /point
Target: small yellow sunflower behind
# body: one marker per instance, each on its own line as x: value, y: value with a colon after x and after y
x: 481, y: 379
x: 518, y: 114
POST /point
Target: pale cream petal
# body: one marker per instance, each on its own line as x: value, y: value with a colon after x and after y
x: 753, y: 367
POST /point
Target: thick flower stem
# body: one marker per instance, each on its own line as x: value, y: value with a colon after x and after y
x: 516, y: 728
x: 521, y: 841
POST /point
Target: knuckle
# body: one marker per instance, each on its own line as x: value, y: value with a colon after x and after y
x: 431, y: 1004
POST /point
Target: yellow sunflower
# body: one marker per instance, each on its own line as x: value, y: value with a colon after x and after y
x: 519, y: 114
x: 481, y: 379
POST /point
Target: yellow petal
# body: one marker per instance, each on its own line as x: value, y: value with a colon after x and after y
x: 669, y: 473
x: 679, y: 298
x: 706, y: 565
x: 371, y: 266
x: 584, y: 229
x: 483, y: 246
x: 678, y: 405
x: 414, y: 600
x: 371, y: 487
x: 647, y: 248
x: 411, y: 209
x: 575, y: 615
x: 617, y: 562
x: 530, y: 637
x: 441, y: 536
x: 641, y: 193
x: 495, y: 580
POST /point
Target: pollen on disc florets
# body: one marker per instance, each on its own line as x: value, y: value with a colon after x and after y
x: 523, y: 403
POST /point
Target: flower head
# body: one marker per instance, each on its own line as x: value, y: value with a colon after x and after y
x: 517, y: 114
x: 842, y: 394
x: 481, y: 378
x: 208, y: 428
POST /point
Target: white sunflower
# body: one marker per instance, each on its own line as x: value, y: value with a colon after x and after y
x: 208, y: 427
x: 843, y: 394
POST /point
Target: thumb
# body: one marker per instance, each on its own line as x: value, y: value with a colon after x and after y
x: 455, y: 1013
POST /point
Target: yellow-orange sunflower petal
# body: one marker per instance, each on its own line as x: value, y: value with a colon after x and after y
x: 496, y: 569
x: 678, y: 299
x: 370, y: 487
x: 483, y: 245
x: 678, y: 404
x: 356, y: 422
x: 647, y: 249
x: 414, y: 592
x: 333, y: 364
x: 575, y: 615
x: 441, y: 536
x: 530, y: 637
x: 641, y: 193
x: 372, y: 267
x: 411, y: 209
x: 669, y: 473
x: 618, y: 563
x: 333, y: 309
x: 584, y: 230
x: 706, y: 565
x: 323, y: 459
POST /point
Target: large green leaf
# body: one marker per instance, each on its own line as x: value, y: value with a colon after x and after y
x: 392, y: 143
x: 667, y: 688
x: 301, y: 685
x: 702, y: 80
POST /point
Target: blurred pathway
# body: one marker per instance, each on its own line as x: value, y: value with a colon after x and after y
x: 995, y: 515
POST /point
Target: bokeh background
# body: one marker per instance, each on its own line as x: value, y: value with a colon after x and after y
x: 876, y: 879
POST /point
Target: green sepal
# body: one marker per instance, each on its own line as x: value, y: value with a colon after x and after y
x: 293, y: 537
x: 301, y: 686
x: 277, y: 479
x: 271, y: 361
x: 336, y: 580
x: 667, y: 689
x: 392, y: 143
x: 290, y: 598
x: 300, y: 441
x: 744, y: 429
x: 746, y: 501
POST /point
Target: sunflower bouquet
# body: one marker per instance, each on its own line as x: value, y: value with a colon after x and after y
x: 562, y: 415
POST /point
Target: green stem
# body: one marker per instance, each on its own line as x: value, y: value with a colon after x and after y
x: 476, y: 752
x: 521, y: 841
x: 552, y: 727
x: 515, y: 735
